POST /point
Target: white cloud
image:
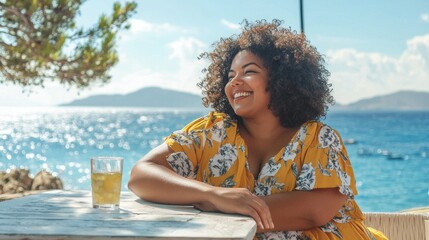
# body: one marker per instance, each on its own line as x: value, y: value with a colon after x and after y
x: 183, y: 48
x: 185, y: 52
x: 230, y: 25
x: 425, y: 17
x: 357, y: 75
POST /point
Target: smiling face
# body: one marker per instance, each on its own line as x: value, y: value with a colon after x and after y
x: 246, y: 89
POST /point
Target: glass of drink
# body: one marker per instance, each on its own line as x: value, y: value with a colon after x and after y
x: 106, y: 181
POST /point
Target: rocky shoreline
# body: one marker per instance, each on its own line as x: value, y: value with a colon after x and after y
x: 16, y: 183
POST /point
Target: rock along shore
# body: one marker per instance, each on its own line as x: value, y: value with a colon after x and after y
x: 18, y: 183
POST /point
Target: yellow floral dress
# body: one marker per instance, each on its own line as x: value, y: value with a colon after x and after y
x: 210, y: 149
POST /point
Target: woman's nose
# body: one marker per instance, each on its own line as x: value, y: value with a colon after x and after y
x: 236, y: 81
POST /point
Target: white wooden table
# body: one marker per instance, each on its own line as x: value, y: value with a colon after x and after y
x: 69, y: 215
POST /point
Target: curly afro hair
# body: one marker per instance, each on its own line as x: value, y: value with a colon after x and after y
x: 298, y: 81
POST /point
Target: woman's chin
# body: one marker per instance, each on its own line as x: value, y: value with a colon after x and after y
x: 240, y: 111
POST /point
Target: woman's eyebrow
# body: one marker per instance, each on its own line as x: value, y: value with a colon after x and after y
x: 246, y: 65
x: 250, y: 63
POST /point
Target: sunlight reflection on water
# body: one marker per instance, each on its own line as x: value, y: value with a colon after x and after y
x: 62, y: 140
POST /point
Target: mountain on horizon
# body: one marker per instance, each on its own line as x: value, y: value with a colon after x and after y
x: 166, y: 98
x: 145, y: 97
x: 402, y: 100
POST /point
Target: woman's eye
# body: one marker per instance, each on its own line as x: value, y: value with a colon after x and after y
x: 249, y: 72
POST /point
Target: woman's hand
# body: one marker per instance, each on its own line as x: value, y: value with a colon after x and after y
x: 241, y: 201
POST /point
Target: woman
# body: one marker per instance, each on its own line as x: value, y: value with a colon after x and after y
x: 263, y: 153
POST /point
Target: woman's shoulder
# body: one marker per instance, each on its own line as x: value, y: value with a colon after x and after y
x: 318, y: 132
x: 209, y: 121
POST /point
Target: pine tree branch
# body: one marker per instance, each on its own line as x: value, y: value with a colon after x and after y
x: 17, y: 13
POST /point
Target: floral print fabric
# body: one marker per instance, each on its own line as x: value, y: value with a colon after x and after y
x: 210, y: 149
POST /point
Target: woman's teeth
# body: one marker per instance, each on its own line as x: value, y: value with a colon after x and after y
x: 241, y: 94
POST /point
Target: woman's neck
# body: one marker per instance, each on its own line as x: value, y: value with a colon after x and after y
x: 263, y: 128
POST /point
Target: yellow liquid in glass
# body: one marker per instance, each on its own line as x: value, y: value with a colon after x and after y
x: 106, y: 188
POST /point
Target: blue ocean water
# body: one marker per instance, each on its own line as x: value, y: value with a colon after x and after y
x: 389, y: 150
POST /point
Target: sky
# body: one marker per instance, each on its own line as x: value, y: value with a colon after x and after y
x: 371, y: 47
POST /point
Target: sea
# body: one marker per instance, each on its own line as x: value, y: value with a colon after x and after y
x: 389, y: 150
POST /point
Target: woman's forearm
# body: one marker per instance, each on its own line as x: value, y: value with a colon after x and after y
x: 301, y: 210
x: 157, y: 183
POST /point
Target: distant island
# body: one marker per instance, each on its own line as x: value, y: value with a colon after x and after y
x: 145, y: 97
x: 165, y: 98
x: 402, y: 100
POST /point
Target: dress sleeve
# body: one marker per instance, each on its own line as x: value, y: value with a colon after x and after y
x: 325, y: 163
x: 188, y: 144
